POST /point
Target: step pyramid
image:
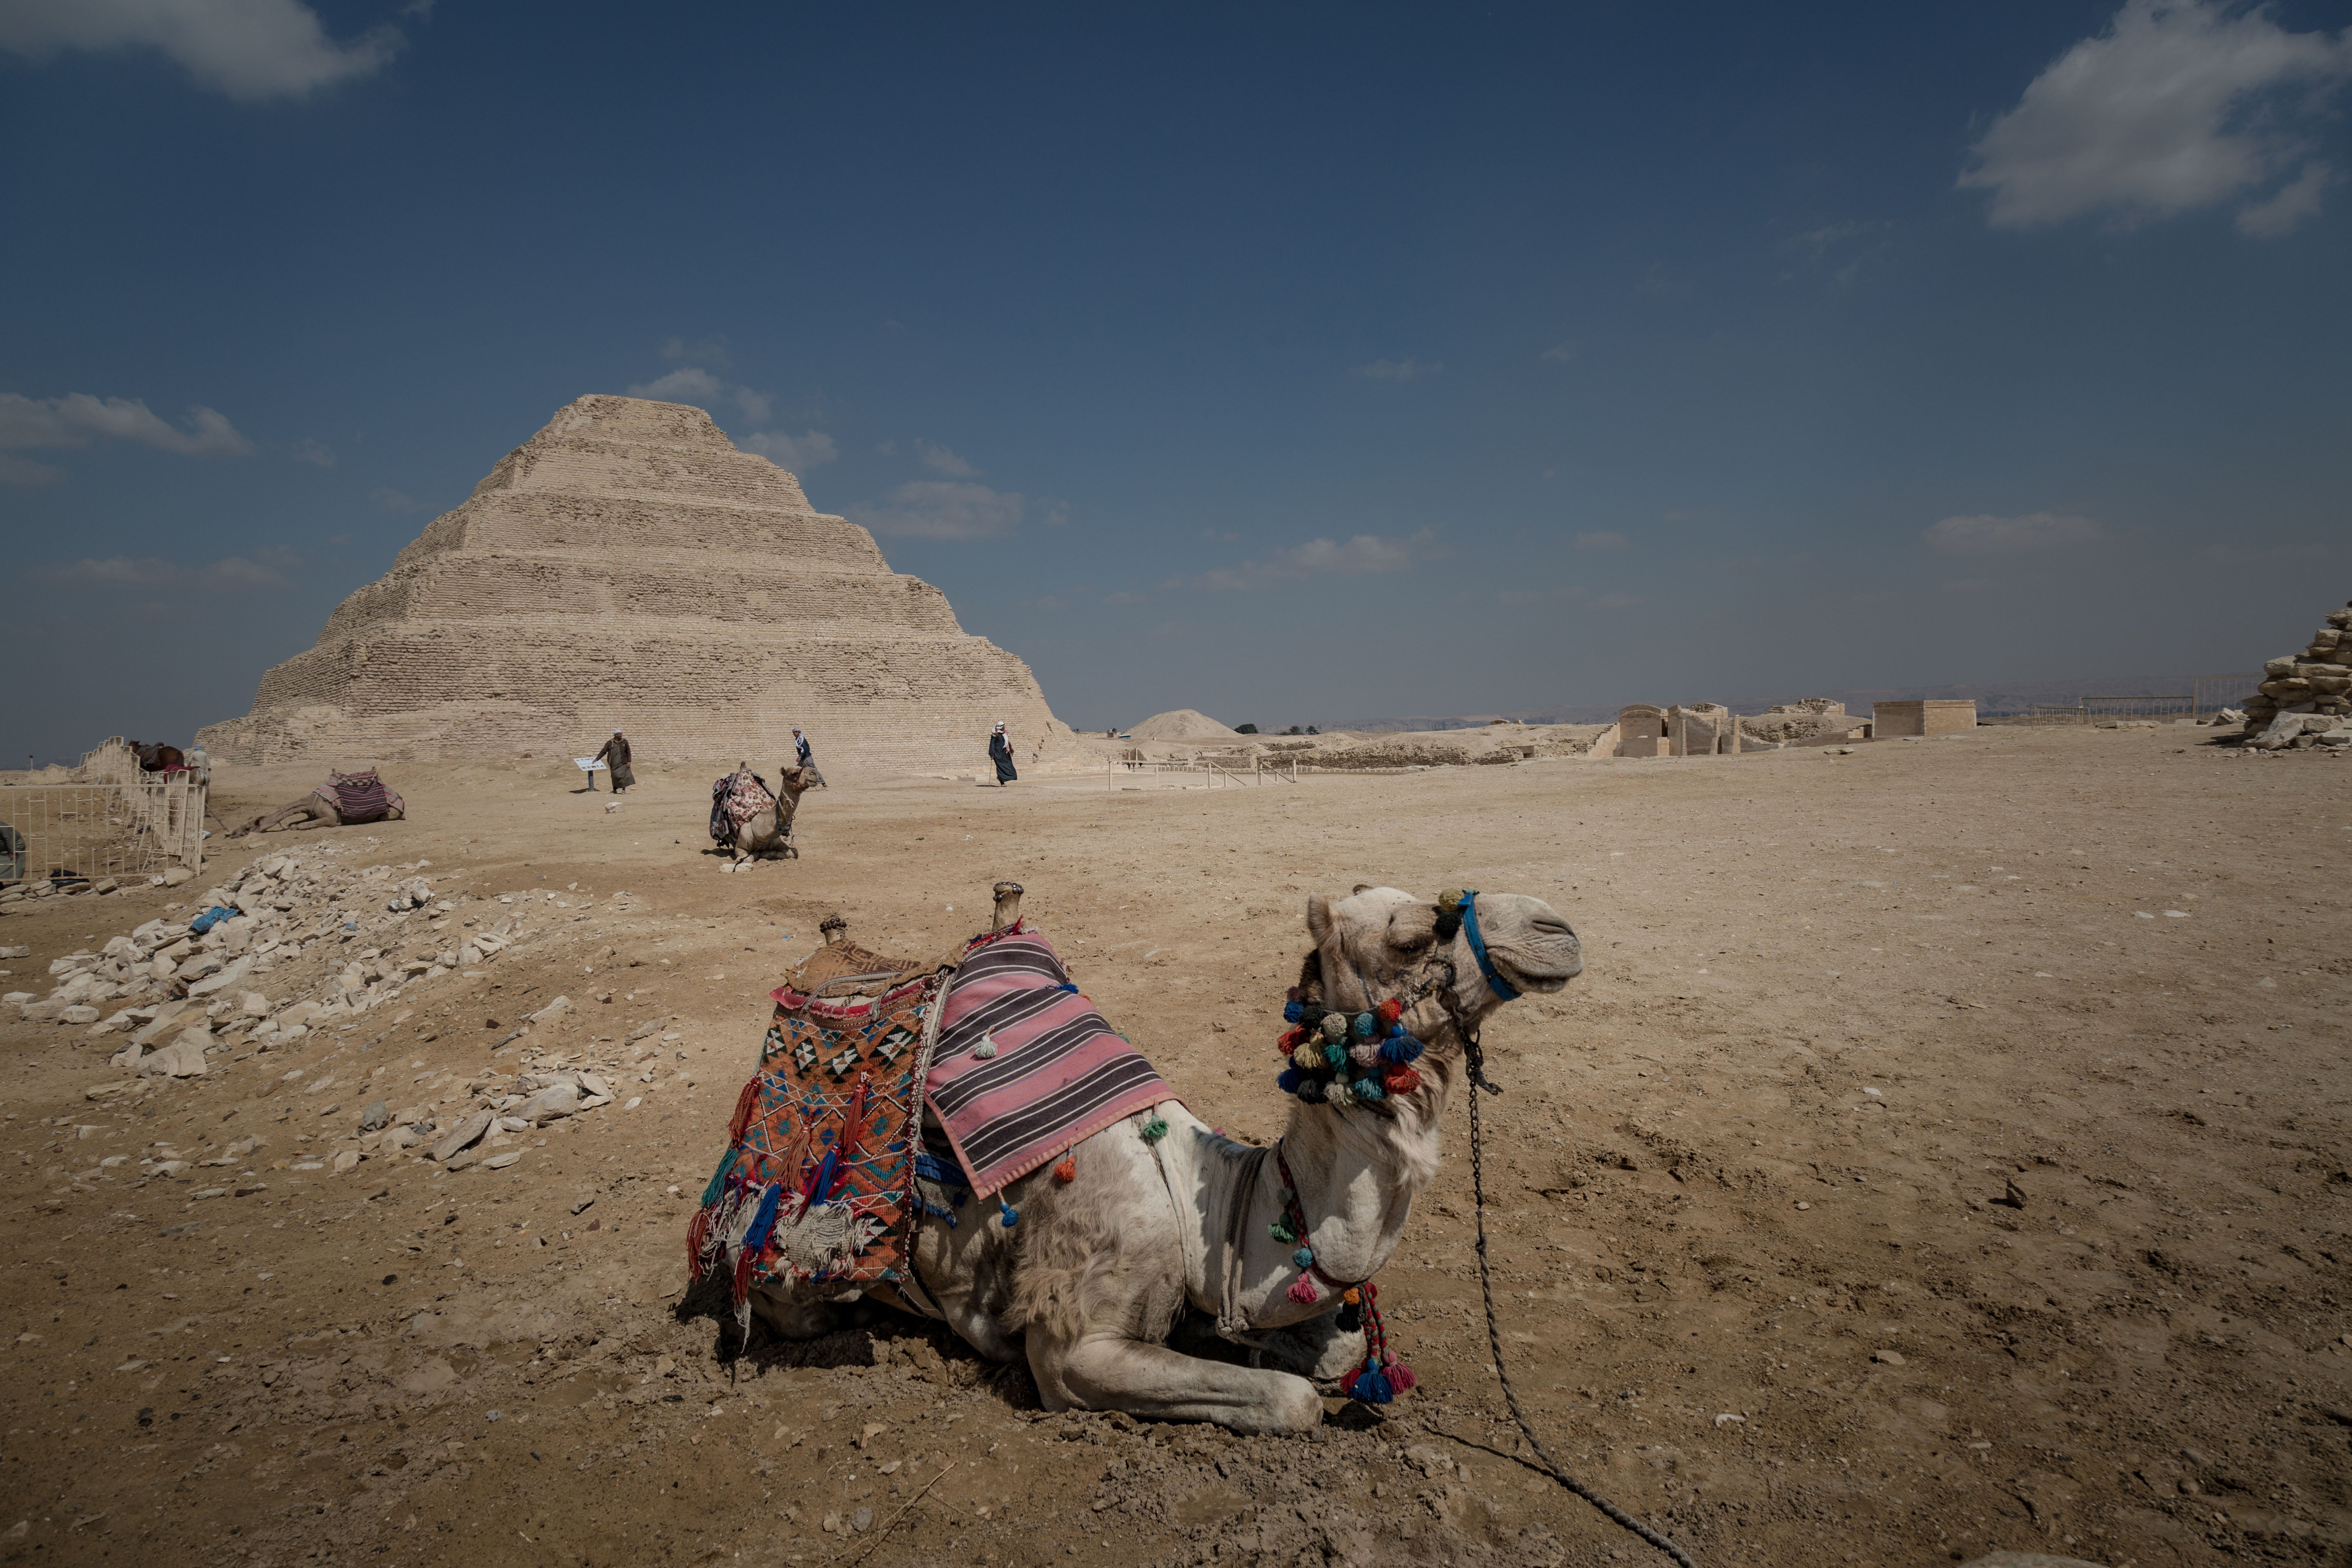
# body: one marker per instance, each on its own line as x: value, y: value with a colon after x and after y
x: 628, y: 568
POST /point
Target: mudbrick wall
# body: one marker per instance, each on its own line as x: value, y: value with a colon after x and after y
x: 628, y: 568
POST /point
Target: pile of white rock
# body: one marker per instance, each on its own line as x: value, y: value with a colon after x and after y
x: 2306, y: 699
x: 306, y: 922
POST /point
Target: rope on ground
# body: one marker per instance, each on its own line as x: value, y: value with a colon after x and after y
x: 895, y: 1517
x: 1495, y: 1343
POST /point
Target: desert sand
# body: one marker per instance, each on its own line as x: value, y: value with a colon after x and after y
x: 1944, y: 1151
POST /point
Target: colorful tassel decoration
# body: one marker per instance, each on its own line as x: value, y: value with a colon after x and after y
x: 1307, y: 1058
x: 718, y: 1179
x: 1155, y: 1127
x: 1337, y: 1092
x: 1287, y: 1080
x: 1400, y: 1378
x: 1335, y: 1055
x: 1280, y: 1230
x: 1401, y: 1049
x: 1363, y: 1025
x: 1007, y: 1213
x: 1310, y: 1092
x: 1364, y: 1053
x: 1304, y: 1257
x: 1335, y: 1027
x: 1391, y: 1010
x: 1067, y: 1171
x: 1302, y: 1290
x: 1401, y: 1080
x: 1370, y: 1090
x: 1291, y: 1011
x: 745, y: 1104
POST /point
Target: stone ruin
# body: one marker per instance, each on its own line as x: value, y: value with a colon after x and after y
x: 628, y: 568
x: 1709, y: 729
x: 2306, y: 699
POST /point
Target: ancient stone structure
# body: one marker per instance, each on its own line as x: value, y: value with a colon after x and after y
x: 2306, y: 695
x: 1893, y: 720
x: 628, y: 568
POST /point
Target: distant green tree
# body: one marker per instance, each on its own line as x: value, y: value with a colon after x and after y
x: 1245, y: 728
x: 1313, y: 730
x: 1293, y: 729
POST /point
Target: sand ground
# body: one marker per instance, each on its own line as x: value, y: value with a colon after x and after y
x: 1757, y: 1278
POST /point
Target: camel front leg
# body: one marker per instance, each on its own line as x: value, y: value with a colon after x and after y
x: 1106, y: 1372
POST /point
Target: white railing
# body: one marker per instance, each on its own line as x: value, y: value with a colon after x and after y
x: 112, y: 821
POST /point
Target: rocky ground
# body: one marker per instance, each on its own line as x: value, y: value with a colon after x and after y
x: 1945, y: 1150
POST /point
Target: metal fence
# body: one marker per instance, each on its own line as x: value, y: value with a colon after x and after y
x: 1198, y: 774
x: 110, y: 821
x: 2209, y: 694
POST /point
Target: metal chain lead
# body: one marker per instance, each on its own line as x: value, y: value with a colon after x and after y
x: 1476, y: 1060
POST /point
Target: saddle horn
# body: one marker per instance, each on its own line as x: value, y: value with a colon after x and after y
x: 833, y: 928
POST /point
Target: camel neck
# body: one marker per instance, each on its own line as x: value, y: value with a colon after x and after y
x: 1357, y: 1176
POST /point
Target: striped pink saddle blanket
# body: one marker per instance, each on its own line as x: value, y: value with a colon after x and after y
x: 1026, y: 1068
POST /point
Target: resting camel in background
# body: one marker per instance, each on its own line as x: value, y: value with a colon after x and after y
x: 1100, y: 1269
x: 317, y: 809
x: 770, y: 832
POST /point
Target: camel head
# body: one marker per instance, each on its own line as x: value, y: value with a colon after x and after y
x: 1379, y: 943
x: 1416, y: 968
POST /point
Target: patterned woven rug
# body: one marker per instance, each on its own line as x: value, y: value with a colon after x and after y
x: 1025, y: 1067
x: 816, y: 1186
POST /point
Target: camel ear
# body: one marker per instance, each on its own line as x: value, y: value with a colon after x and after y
x: 1363, y: 887
x: 1319, y: 923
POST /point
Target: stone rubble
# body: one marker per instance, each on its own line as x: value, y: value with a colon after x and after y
x: 2306, y: 699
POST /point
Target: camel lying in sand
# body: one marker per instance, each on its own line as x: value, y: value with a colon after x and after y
x: 317, y: 809
x: 1099, y: 1269
x: 770, y: 832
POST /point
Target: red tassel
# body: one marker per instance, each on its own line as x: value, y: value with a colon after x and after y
x: 1290, y: 1041
x: 1401, y: 1376
x: 1348, y: 1384
x: 1067, y: 1171
x: 1302, y: 1290
x: 745, y: 1104
x: 1391, y: 1010
x: 1399, y: 1080
x: 695, y: 1234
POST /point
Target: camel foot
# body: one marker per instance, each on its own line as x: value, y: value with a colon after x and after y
x: 1154, y: 1381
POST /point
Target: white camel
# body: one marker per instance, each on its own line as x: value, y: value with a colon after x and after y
x: 1097, y: 1273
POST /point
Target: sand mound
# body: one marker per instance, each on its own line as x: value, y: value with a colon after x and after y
x: 1182, y: 724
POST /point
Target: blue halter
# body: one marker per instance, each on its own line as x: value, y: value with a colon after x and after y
x: 1503, y: 989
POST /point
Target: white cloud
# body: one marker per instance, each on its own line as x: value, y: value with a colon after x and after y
x: 2293, y: 201
x: 25, y: 473
x: 692, y: 383
x: 1364, y: 554
x: 246, y: 49
x: 939, y: 459
x: 798, y: 453
x: 1562, y: 353
x: 392, y: 502
x: 265, y: 568
x: 1600, y: 539
x: 1397, y: 370
x: 2178, y: 105
x: 948, y: 509
x: 686, y: 383
x: 2034, y: 532
x: 314, y: 452
x: 72, y: 420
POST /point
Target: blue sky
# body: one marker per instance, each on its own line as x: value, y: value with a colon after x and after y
x: 1296, y: 367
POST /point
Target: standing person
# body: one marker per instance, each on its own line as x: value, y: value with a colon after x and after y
x: 999, y: 752
x: 805, y: 758
x: 615, y: 754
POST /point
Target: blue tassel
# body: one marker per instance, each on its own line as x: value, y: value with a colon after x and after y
x: 1304, y: 1256
x: 1369, y: 1089
x: 1286, y: 1080
x: 1401, y: 1049
x: 1007, y: 1213
x: 1336, y: 1054
x: 718, y: 1180
x: 1396, y: 1030
x: 1068, y: 987
x: 1372, y: 1387
x: 1292, y: 1011
x: 1365, y: 1025
x: 755, y: 1240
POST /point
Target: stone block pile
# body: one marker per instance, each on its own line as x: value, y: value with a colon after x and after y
x: 2306, y: 699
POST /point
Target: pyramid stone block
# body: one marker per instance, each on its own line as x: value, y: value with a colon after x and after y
x: 628, y: 568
